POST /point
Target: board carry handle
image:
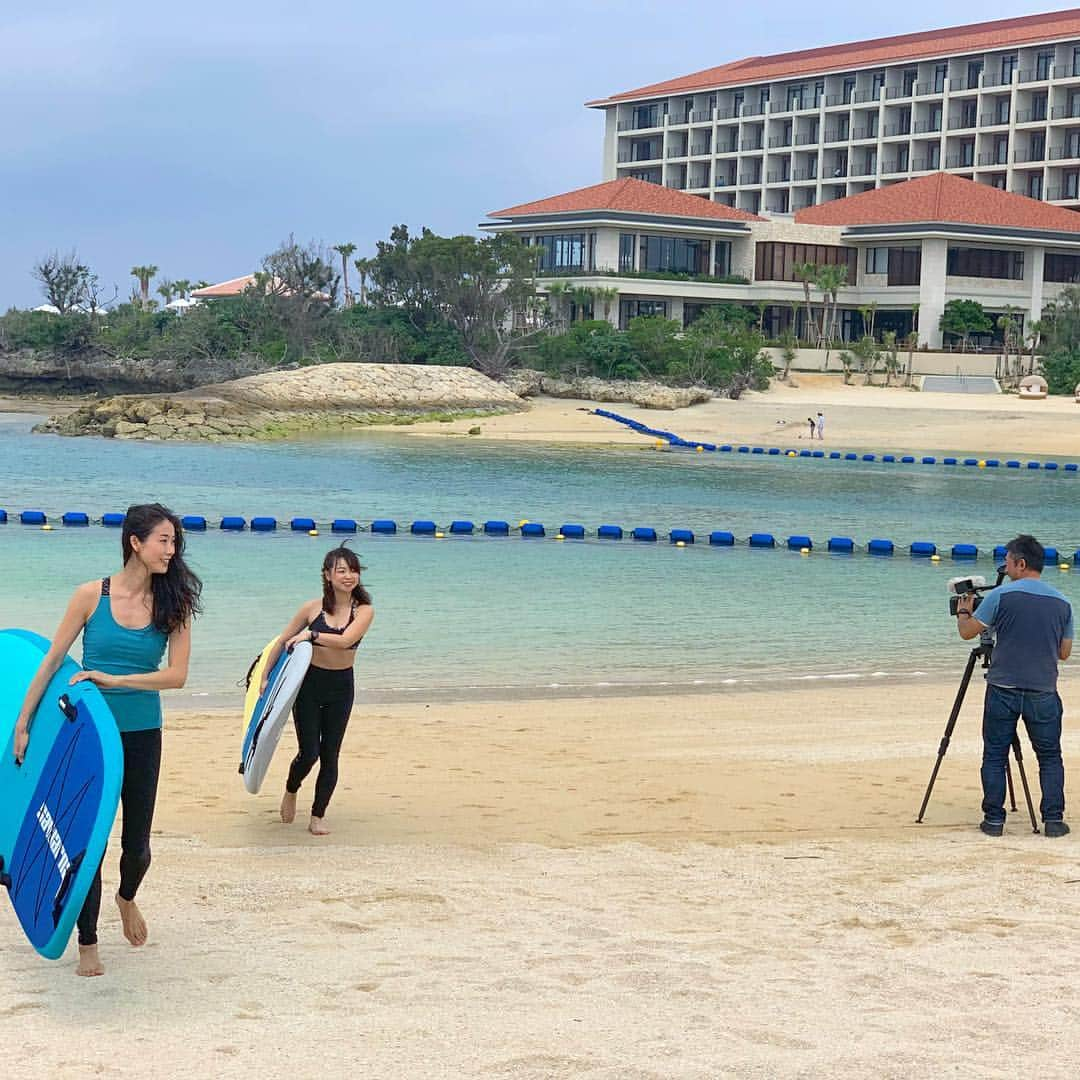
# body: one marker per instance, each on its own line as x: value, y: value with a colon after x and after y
x: 67, y: 708
x: 65, y: 885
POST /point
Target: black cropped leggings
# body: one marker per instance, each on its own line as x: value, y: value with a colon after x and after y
x: 142, y: 766
x: 321, y: 714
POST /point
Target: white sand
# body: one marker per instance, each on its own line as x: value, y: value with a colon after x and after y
x: 699, y: 886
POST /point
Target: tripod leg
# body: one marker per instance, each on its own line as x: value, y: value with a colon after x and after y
x: 949, y: 727
x: 1023, y: 780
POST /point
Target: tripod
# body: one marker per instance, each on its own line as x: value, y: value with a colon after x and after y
x: 982, y: 651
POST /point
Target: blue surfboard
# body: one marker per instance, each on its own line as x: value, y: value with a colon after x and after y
x: 58, y: 807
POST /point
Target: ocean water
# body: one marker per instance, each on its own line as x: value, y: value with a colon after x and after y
x: 475, y: 617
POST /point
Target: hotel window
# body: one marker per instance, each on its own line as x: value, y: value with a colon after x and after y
x: 1042, y: 65
x: 935, y: 118
x: 933, y: 157
x: 1076, y: 62
x: 1034, y: 189
x: 819, y: 93
x: 626, y: 251
x: 1008, y: 66
x: 939, y: 78
x: 1072, y: 185
x: 877, y: 260
x: 973, y: 72
x: 1001, y: 150
x: 561, y: 251
x: 635, y: 309
x: 909, y: 82
x: 905, y: 265
x: 795, y: 96
x: 985, y: 263
x: 1038, y: 107
x: 1061, y: 267
x: 877, y: 83
x: 646, y: 116
x: 738, y: 102
x: 673, y: 254
x: 1001, y: 111
x: 777, y: 262
x: 903, y: 159
x: 849, y: 90
x: 722, y: 258
x: 763, y: 98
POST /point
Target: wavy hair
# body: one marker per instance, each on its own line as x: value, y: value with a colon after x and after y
x: 176, y: 593
x: 346, y: 555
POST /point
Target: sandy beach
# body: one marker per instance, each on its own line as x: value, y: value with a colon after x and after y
x: 729, y: 884
x: 893, y: 418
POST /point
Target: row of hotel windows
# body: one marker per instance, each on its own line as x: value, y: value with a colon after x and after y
x: 800, y: 96
x: 779, y: 262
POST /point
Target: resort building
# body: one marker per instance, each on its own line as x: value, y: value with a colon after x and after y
x: 995, y: 102
x: 907, y: 249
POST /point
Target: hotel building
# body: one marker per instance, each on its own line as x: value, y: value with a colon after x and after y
x: 933, y: 166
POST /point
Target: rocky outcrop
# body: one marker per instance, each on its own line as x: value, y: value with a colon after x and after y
x: 528, y: 383
x: 275, y: 404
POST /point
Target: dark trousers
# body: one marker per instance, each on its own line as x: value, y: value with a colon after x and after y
x: 320, y: 715
x: 142, y: 766
x: 1041, y: 710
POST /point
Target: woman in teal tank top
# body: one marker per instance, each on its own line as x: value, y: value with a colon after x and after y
x: 128, y: 621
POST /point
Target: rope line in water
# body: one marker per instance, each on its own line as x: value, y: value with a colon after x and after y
x: 801, y: 543
x: 671, y: 439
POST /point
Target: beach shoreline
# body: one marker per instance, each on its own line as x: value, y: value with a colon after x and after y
x: 678, y: 887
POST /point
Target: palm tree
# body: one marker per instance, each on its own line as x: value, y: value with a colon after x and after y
x: 363, y: 268
x: 144, y: 274
x: 829, y: 280
x: 807, y: 274
x: 166, y: 290
x: 345, y: 250
x: 183, y: 287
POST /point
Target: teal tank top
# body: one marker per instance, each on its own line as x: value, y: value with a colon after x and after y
x: 116, y: 650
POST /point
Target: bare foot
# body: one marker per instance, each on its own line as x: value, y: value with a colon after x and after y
x: 288, y: 807
x: 134, y: 923
x: 317, y: 826
x: 89, y: 962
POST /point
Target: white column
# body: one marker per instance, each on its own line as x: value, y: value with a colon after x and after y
x: 675, y: 310
x: 932, y: 291
x: 611, y: 142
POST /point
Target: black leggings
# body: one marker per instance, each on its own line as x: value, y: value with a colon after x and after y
x: 142, y: 766
x: 321, y: 714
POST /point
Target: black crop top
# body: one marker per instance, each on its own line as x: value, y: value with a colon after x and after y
x: 320, y: 625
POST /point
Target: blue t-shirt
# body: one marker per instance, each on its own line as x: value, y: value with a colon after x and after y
x: 1031, y: 620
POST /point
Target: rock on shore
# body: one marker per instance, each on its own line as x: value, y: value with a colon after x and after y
x: 323, y: 397
x: 528, y: 383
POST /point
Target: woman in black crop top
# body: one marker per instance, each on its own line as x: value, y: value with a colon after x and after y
x: 334, y: 624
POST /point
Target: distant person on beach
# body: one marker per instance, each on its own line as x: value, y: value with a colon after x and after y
x: 810, y: 421
x: 821, y: 425
x: 334, y: 624
x: 127, y: 621
x: 1034, y: 628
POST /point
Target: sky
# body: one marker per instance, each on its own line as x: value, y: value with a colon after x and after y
x: 199, y: 136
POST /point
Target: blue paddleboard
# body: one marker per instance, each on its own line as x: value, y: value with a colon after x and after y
x: 58, y: 807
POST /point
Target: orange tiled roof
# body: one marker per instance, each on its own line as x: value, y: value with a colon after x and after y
x: 233, y: 287
x: 628, y: 196
x: 942, y: 198
x: 976, y: 37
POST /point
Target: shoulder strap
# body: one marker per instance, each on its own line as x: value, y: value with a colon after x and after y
x: 105, y: 586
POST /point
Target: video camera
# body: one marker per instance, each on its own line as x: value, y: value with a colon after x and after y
x: 974, y: 585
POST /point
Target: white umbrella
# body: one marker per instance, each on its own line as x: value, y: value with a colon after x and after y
x: 182, y: 304
x: 49, y: 309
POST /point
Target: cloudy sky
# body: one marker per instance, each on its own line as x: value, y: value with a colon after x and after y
x: 196, y: 136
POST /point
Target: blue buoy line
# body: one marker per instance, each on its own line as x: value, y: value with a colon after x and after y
x: 680, y: 443
x: 803, y: 543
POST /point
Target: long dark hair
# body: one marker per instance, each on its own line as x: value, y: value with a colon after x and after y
x: 177, y: 592
x: 346, y: 555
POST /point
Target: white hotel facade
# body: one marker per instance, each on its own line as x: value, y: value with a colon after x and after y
x: 933, y: 166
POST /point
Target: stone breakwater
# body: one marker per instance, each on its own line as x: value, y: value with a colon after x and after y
x: 528, y: 383
x: 280, y: 403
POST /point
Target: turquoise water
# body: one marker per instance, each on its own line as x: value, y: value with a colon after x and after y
x: 475, y: 617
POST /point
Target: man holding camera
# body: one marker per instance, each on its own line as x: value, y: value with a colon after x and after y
x: 1033, y: 624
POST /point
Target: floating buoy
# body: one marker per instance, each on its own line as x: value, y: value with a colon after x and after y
x: 313, y: 532
x: 440, y: 535
x: 935, y: 558
x: 804, y: 551
x: 1063, y: 566
x: 791, y: 453
x: 46, y: 528
x: 680, y: 543
x: 700, y: 449
x: 982, y: 464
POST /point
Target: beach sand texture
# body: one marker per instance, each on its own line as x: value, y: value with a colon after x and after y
x: 871, y: 417
x: 725, y: 884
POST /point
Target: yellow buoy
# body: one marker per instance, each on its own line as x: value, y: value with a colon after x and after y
x: 313, y: 532
x: 804, y: 551
x: 46, y: 528
x: 935, y: 558
x: 660, y: 444
x: 560, y: 537
x: 701, y: 449
x: 1063, y: 566
x: 791, y: 453
x: 982, y: 464
x: 440, y: 535
x: 523, y: 521
x: 680, y: 543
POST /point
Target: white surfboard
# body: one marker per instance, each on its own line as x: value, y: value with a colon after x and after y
x: 265, y: 716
